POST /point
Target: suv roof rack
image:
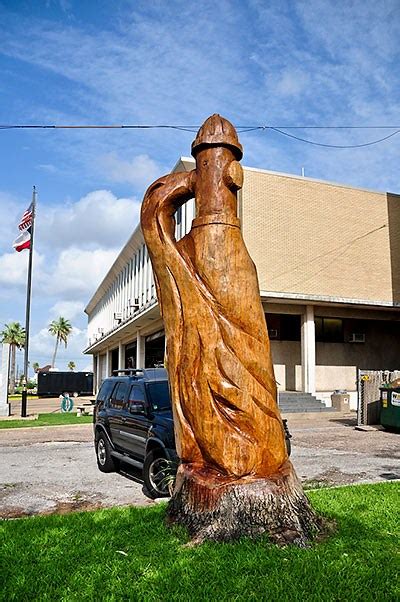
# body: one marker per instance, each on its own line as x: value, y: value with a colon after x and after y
x: 128, y: 371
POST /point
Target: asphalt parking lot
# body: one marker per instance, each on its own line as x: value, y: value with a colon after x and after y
x: 53, y: 469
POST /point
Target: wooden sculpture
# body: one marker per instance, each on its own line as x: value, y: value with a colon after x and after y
x: 235, y: 477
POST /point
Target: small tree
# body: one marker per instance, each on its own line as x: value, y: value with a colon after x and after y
x: 14, y: 335
x: 35, y: 366
x: 61, y: 329
x: 71, y: 366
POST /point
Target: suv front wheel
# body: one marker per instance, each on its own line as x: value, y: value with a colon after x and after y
x: 105, y: 461
x: 158, y: 474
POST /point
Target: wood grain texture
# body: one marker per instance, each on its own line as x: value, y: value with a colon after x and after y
x: 227, y: 424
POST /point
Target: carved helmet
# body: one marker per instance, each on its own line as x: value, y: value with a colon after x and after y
x: 217, y: 131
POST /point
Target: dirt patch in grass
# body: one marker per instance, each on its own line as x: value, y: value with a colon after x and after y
x: 333, y: 478
x: 59, y: 508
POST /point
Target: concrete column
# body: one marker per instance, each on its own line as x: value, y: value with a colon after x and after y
x: 108, y: 363
x: 5, y: 364
x: 121, y: 356
x: 140, y: 347
x: 97, y: 375
x: 308, y: 350
x: 95, y: 369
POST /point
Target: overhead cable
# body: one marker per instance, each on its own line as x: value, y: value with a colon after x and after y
x: 241, y: 130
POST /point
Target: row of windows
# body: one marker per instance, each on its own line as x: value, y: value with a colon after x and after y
x: 282, y: 327
x: 116, y: 393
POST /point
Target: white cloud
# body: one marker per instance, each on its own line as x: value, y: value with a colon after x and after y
x: 78, y: 243
x: 99, y: 219
x: 67, y: 309
x: 48, y: 167
x: 78, y: 272
x: 14, y: 268
x: 10, y: 212
x: 292, y: 82
x: 42, y: 346
x: 140, y: 171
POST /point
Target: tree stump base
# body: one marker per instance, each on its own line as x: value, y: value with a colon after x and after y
x: 214, y: 508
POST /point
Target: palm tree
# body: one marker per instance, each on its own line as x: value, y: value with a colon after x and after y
x: 14, y: 335
x: 71, y: 366
x: 61, y: 329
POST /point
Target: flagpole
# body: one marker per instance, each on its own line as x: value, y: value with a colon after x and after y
x: 28, y: 309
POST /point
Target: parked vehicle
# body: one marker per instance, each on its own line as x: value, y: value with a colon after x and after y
x: 133, y: 426
x: 53, y: 384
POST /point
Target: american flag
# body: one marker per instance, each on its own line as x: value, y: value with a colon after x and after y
x: 26, y: 220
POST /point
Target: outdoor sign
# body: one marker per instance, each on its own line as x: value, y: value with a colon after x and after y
x: 395, y: 399
x: 5, y: 357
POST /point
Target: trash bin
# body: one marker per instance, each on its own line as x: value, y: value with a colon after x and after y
x: 390, y: 408
x: 341, y: 401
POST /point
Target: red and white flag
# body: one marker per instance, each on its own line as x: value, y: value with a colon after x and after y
x: 23, y: 241
x: 26, y: 219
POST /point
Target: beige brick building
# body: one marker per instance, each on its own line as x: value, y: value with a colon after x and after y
x: 328, y: 262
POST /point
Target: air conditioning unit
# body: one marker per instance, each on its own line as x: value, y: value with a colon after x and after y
x: 357, y: 337
x: 133, y: 303
x: 273, y: 333
x: 118, y: 316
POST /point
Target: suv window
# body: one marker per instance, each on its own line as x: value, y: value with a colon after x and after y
x: 136, y: 394
x: 105, y: 391
x: 158, y: 393
x: 118, y: 396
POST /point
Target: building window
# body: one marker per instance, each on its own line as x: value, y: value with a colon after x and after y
x: 114, y: 360
x: 154, y: 350
x: 329, y: 330
x: 283, y: 327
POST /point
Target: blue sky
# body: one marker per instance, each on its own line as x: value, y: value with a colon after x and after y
x: 155, y: 62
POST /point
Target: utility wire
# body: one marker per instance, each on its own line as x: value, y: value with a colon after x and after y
x: 196, y: 127
x: 241, y: 129
x: 335, y: 145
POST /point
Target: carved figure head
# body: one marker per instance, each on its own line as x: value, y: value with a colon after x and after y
x: 217, y: 131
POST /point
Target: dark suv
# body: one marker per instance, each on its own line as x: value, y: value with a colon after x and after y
x: 133, y: 426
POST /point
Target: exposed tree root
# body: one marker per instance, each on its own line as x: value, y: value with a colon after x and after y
x: 216, y: 509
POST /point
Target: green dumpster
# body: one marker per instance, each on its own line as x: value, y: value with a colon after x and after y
x: 390, y: 408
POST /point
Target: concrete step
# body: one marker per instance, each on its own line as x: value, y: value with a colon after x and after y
x: 298, y: 402
x: 305, y: 410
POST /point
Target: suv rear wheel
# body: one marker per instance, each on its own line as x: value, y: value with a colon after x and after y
x: 105, y: 461
x: 158, y: 475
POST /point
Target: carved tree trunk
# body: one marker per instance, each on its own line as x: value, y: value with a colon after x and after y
x: 235, y: 477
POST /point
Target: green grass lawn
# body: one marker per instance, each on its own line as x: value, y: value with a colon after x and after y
x: 129, y: 554
x: 46, y: 420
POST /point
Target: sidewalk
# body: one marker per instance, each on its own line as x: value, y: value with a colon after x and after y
x: 42, y: 405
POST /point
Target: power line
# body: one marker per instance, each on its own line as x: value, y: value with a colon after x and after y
x: 241, y: 130
x: 335, y: 145
x: 195, y: 127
